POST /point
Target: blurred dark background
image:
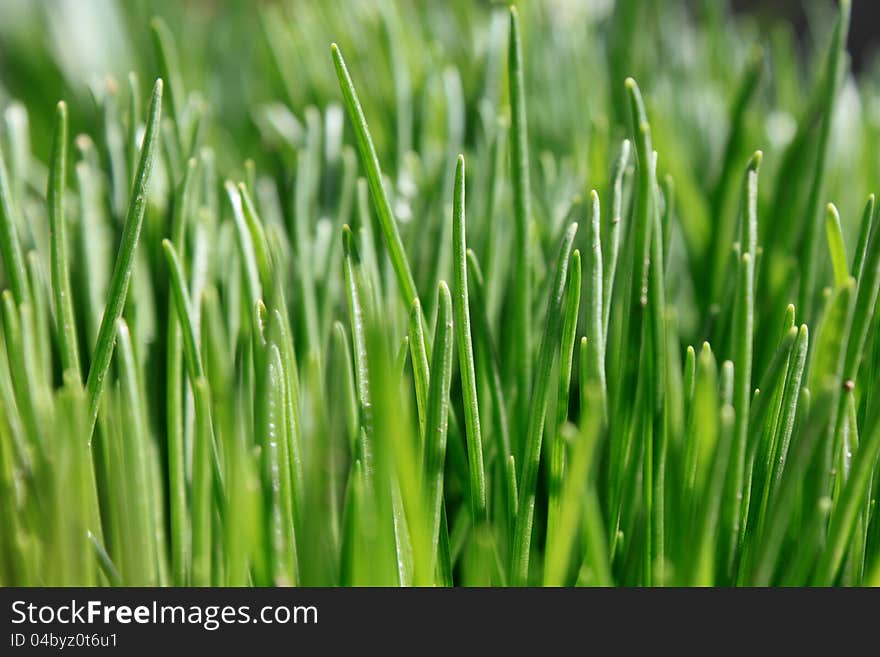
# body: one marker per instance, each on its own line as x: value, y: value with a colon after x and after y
x: 864, y: 35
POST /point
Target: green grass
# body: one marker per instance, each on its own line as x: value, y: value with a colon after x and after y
x: 465, y: 306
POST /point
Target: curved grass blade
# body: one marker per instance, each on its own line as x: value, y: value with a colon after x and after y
x: 124, y: 260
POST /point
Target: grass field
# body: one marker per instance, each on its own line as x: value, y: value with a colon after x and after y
x: 574, y: 294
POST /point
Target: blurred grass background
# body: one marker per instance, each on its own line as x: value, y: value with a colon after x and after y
x: 259, y: 65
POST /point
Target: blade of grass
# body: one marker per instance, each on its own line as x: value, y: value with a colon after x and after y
x: 438, y: 415
x: 10, y: 245
x: 837, y: 251
x: 596, y: 326
x: 466, y: 351
x: 174, y: 398
x: 420, y: 366
x: 614, y: 247
x: 61, y: 292
x: 738, y: 488
x: 370, y: 162
x: 535, y: 427
x: 522, y: 202
x: 864, y: 235
x: 124, y: 260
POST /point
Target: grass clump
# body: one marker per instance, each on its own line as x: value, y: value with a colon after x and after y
x: 471, y: 311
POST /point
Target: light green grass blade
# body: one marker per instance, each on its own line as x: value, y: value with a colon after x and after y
x: 836, y: 249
